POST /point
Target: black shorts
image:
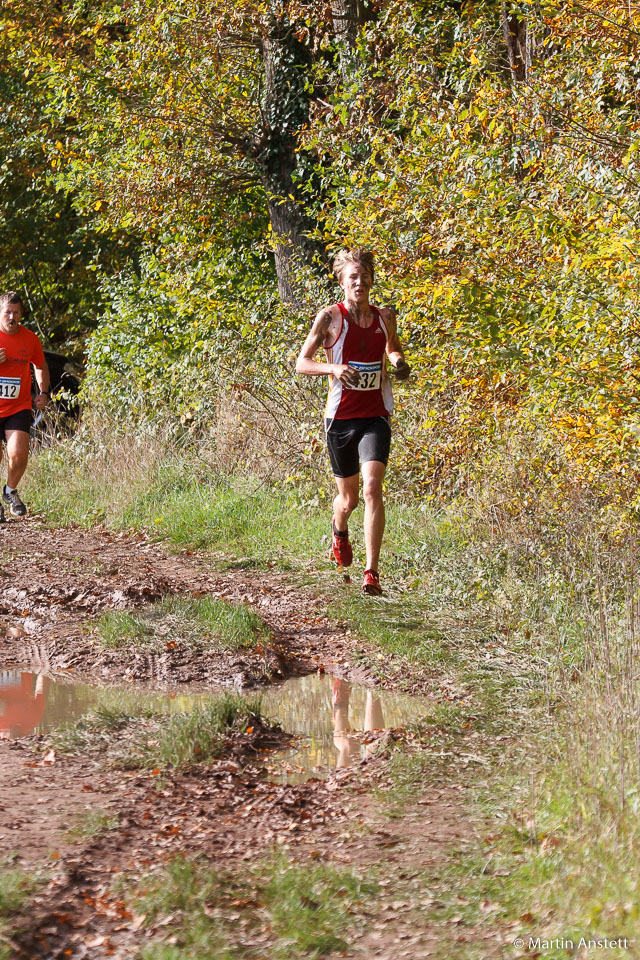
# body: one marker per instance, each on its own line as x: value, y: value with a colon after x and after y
x: 352, y: 442
x: 22, y: 420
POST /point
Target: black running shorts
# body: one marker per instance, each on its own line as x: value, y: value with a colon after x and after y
x: 22, y: 420
x: 352, y: 442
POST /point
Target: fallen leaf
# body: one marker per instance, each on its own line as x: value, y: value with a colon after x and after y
x: 549, y: 843
x: 97, y: 942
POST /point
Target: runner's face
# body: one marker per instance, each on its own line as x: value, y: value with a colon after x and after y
x: 10, y: 314
x: 356, y: 283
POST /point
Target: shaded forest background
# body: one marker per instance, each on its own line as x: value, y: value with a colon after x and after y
x: 175, y: 178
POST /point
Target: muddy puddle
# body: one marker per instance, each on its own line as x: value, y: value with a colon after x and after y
x: 336, y: 723
x: 32, y: 702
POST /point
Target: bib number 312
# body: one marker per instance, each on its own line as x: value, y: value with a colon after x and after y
x: 9, y: 388
x: 370, y: 374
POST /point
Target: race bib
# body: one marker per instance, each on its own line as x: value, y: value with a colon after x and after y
x: 370, y: 374
x: 9, y: 388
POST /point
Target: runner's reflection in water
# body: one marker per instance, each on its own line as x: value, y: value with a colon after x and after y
x: 21, y: 707
x: 348, y: 745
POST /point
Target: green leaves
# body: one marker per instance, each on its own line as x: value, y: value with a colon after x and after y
x: 502, y: 203
x: 503, y: 218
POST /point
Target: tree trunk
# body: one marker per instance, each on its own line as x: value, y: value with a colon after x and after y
x: 290, y: 248
x: 348, y: 16
x: 285, y: 110
x: 517, y: 40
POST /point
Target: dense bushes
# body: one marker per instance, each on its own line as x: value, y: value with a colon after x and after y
x: 499, y: 193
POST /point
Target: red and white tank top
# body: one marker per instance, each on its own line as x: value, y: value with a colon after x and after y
x: 362, y: 348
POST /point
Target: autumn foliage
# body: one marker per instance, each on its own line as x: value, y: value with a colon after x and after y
x: 488, y: 154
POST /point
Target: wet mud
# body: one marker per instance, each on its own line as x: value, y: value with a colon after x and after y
x: 53, y: 584
x: 227, y: 813
x: 256, y: 796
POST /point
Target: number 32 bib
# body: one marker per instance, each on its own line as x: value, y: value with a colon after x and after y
x: 370, y: 375
x: 364, y: 349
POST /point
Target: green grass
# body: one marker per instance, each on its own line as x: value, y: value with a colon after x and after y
x: 571, y: 833
x: 143, y: 738
x: 91, y: 824
x: 398, y: 626
x: 171, y: 496
x: 197, y: 622
x: 301, y: 910
x: 408, y: 774
x: 16, y: 886
x: 309, y: 906
x: 190, y: 738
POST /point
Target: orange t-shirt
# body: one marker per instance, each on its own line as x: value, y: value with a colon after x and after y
x: 22, y: 348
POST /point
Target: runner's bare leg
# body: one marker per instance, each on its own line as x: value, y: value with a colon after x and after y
x: 346, y: 500
x: 374, y: 514
x: 17, y: 455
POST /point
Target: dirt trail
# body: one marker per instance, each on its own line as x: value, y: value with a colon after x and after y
x: 230, y: 816
x: 53, y: 582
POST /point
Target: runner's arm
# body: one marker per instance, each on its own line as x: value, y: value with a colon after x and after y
x: 43, y: 381
x: 305, y: 363
x: 394, y: 347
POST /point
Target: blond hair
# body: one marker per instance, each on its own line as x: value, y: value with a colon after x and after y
x: 363, y: 258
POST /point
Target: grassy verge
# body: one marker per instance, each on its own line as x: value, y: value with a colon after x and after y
x: 202, y: 622
x: 16, y: 887
x: 141, y: 739
x: 175, y: 497
x: 289, y: 910
x: 562, y: 869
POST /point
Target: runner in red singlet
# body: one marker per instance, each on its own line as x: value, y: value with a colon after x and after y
x: 19, y: 350
x: 357, y: 338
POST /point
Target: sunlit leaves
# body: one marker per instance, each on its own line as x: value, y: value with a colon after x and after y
x: 505, y: 217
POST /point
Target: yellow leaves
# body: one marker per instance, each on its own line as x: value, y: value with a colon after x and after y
x: 443, y: 293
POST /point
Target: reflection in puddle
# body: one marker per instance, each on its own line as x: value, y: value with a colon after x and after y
x: 332, y: 717
x: 33, y: 703
x: 23, y: 699
x: 347, y: 745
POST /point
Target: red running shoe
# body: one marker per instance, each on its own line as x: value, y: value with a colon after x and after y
x: 341, y: 547
x: 371, y: 583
